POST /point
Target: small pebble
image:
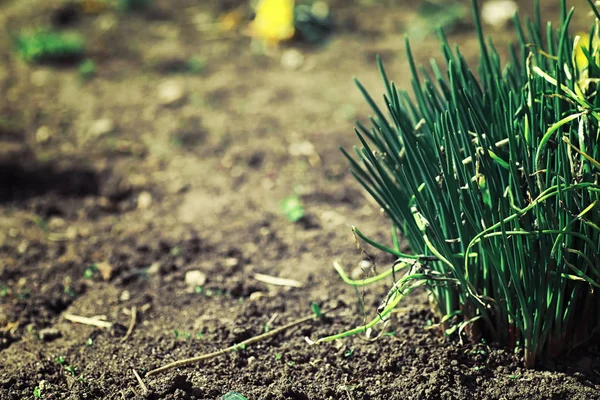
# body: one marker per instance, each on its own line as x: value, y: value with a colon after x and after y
x: 154, y: 268
x: 231, y: 262
x: 105, y: 269
x: 194, y: 278
x: 125, y: 295
x: 144, y: 200
x: 171, y: 93
x: 43, y: 134
x: 305, y: 148
x: 101, y: 127
x: 362, y: 270
x: 292, y: 59
x: 498, y: 13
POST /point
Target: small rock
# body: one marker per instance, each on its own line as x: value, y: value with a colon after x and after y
x: 171, y: 93
x: 292, y: 59
x: 231, y: 262
x: 101, y: 127
x: 498, y: 13
x: 194, y: 278
x: 105, y: 270
x: 362, y: 270
x: 49, y: 334
x: 144, y: 200
x: 154, y: 268
x: 251, y: 359
x: 305, y: 148
x: 43, y: 134
x: 55, y: 223
x: 125, y: 295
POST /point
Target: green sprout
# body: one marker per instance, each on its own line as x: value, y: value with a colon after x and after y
x: 70, y: 291
x: 60, y: 360
x: 87, y: 69
x: 4, y: 290
x: 71, y: 370
x: 292, y: 208
x: 37, y: 392
x: 89, y: 272
x: 316, y: 309
x: 89, y: 342
x: 278, y: 356
x: 494, y: 183
x: 49, y: 46
x: 349, y: 352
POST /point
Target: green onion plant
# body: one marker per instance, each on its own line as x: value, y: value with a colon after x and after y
x: 492, y: 177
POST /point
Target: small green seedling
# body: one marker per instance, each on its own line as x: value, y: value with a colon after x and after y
x: 349, y: 352
x: 89, y: 272
x: 316, y: 309
x: 70, y: 291
x: 49, y: 46
x: 71, y: 370
x: 89, y: 342
x: 292, y: 208
x: 4, y: 291
x: 241, y: 346
x: 37, y: 392
x: 60, y: 360
x: 233, y: 396
x: 87, y: 69
x: 278, y: 356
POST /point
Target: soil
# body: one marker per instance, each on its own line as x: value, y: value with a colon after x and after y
x: 110, y: 193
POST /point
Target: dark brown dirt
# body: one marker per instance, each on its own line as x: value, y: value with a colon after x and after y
x: 215, y: 166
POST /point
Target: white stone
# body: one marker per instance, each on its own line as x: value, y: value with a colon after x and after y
x: 498, y: 13
x: 144, y: 200
x: 171, y: 93
x: 194, y: 278
x: 101, y: 127
x: 292, y: 59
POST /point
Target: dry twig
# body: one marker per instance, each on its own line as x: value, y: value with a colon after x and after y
x: 141, y: 382
x: 88, y: 321
x: 255, y: 339
x: 273, y: 280
x: 131, y: 324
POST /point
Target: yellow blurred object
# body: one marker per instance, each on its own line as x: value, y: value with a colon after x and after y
x: 582, y: 41
x: 274, y: 21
